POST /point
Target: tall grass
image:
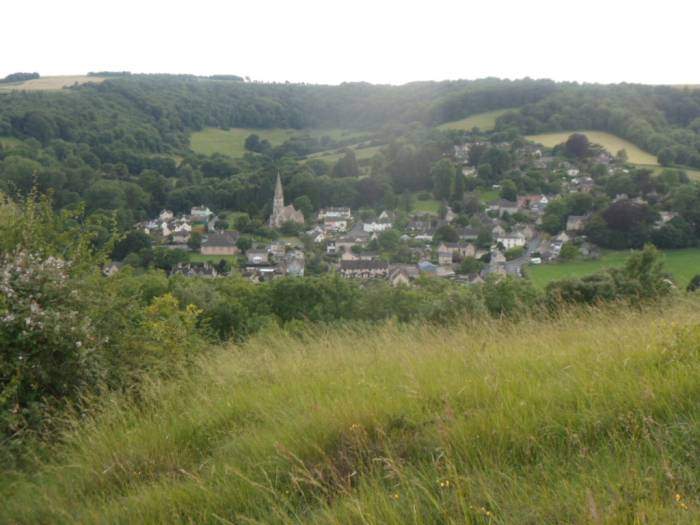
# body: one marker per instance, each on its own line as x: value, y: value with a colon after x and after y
x: 593, y: 418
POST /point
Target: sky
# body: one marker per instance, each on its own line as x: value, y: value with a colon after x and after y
x: 377, y: 41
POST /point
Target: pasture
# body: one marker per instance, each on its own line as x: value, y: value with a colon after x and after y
x: 484, y: 121
x: 361, y: 153
x: 232, y: 141
x: 682, y: 264
x: 50, y: 83
x: 610, y: 142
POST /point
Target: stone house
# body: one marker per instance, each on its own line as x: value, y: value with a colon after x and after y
x: 220, y: 244
x: 364, y: 269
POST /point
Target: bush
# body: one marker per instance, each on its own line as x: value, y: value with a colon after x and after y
x: 514, y: 253
x: 694, y: 283
x: 48, y: 347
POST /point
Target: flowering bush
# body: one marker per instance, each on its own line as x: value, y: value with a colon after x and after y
x: 47, y: 345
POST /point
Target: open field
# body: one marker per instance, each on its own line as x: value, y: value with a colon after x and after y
x: 589, y: 419
x: 610, y: 142
x: 10, y: 142
x: 682, y: 264
x: 231, y: 142
x: 483, y: 121
x: 50, y: 83
x: 360, y: 153
x: 692, y: 173
x: 430, y: 205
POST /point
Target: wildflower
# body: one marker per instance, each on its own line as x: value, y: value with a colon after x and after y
x: 395, y: 495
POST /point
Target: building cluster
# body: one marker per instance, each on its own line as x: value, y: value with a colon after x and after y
x: 503, y: 235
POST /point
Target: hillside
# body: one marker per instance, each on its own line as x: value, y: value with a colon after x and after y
x: 484, y: 121
x: 51, y: 83
x: 610, y: 142
x: 232, y: 141
x: 589, y: 419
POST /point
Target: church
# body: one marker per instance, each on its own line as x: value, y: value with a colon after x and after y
x: 282, y: 213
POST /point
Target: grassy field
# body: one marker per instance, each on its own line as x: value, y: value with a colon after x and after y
x: 610, y: 142
x: 483, y: 121
x: 692, y: 173
x: 10, y: 142
x: 589, y: 419
x: 430, y: 205
x: 50, y: 83
x: 360, y: 154
x: 231, y: 141
x: 683, y: 264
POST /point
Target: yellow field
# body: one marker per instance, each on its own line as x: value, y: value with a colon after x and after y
x: 50, y: 83
x: 610, y: 142
x: 483, y: 121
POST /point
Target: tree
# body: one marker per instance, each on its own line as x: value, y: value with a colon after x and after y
x: 133, y: 242
x: 485, y: 238
x: 244, y: 243
x: 346, y: 166
x: 622, y: 155
x: 569, y: 251
x: 252, y: 142
x: 389, y: 240
x: 195, y: 241
x: 303, y: 204
x: 445, y: 233
x: 666, y: 157
x: 458, y: 194
x: 442, y: 174
x: 509, y: 191
x: 469, y: 266
x: 577, y: 146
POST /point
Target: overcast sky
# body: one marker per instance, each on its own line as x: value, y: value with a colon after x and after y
x: 330, y: 41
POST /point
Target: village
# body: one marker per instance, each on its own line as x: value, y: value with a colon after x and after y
x: 497, y: 236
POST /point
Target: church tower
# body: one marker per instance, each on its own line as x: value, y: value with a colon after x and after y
x: 278, y: 201
x: 280, y: 212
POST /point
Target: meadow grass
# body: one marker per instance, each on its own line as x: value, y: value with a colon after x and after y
x: 591, y: 418
x: 10, y: 142
x: 361, y: 153
x: 682, y: 264
x: 610, y: 142
x: 429, y: 205
x: 232, y: 141
x: 693, y: 174
x: 484, y: 121
x: 50, y: 83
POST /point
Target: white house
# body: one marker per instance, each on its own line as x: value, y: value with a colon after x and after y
x: 334, y: 213
x: 335, y: 224
x: 376, y: 226
x: 512, y: 240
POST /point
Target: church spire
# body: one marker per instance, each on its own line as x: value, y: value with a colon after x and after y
x: 279, y: 195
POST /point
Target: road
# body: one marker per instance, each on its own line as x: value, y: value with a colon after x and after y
x: 514, y: 267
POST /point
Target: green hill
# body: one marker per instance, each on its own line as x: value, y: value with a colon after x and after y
x: 589, y: 419
x: 484, y: 121
x: 52, y: 83
x: 609, y: 141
